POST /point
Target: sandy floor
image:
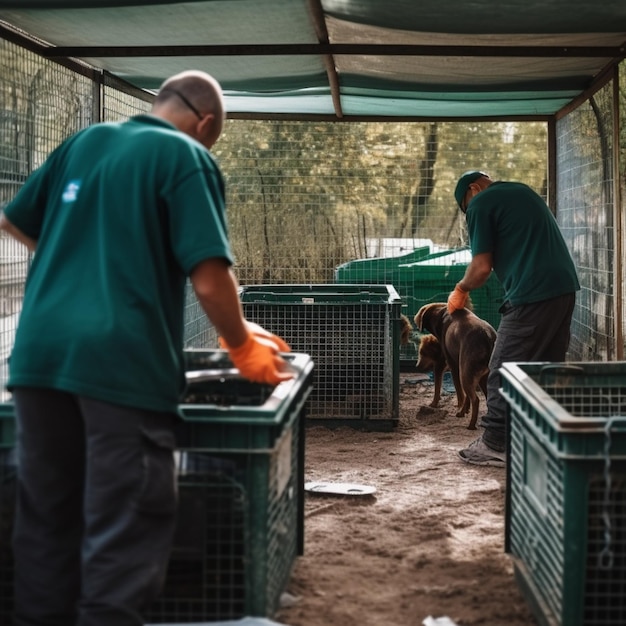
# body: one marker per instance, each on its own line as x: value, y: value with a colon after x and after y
x: 430, y: 541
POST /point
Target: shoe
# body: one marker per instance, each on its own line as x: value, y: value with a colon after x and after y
x: 479, y: 453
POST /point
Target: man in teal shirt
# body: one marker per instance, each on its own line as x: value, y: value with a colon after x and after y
x: 118, y: 216
x: 513, y: 232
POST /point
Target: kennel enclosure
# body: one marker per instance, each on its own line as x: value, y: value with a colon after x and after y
x: 352, y: 334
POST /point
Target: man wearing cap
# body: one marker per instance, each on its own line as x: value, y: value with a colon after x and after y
x: 513, y: 232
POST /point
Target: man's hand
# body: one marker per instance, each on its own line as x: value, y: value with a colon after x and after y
x: 257, y: 359
x: 259, y: 331
x: 457, y: 299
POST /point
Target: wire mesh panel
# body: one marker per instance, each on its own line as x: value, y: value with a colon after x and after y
x: 206, y: 576
x: 566, y: 517
x: 14, y: 261
x: 198, y: 331
x: 585, y: 212
x: 352, y: 334
x: 306, y: 197
x: 118, y: 104
x: 41, y: 103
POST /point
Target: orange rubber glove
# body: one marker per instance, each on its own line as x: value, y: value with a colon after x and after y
x: 457, y: 299
x: 259, y: 331
x: 257, y: 359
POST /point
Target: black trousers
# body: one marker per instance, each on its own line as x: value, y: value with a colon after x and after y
x: 531, y: 332
x: 96, y: 509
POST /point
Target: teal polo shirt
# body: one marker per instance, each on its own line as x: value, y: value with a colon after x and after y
x: 122, y: 212
x: 530, y: 256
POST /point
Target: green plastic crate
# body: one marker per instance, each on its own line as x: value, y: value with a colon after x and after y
x: 422, y: 280
x: 352, y: 334
x: 241, y: 480
x: 566, y: 497
x: 241, y: 494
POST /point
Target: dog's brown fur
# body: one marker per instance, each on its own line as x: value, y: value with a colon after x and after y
x: 430, y: 358
x: 467, y: 342
x: 405, y: 330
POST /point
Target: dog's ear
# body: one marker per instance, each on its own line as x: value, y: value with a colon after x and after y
x: 419, y: 316
x: 436, y: 319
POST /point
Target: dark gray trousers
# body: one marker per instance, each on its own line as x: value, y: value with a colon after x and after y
x: 96, y: 507
x: 531, y: 332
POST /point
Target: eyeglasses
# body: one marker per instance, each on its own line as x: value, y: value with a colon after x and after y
x: 186, y: 101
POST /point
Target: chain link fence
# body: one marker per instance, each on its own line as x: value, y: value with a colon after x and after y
x: 307, y: 199
x: 586, y: 212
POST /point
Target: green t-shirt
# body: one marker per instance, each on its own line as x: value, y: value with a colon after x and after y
x: 122, y: 212
x: 530, y: 256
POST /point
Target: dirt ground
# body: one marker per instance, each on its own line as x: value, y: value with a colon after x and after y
x: 429, y: 542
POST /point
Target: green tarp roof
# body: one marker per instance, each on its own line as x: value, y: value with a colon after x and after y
x: 343, y: 58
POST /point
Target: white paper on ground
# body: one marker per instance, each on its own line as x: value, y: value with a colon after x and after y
x: 438, y: 621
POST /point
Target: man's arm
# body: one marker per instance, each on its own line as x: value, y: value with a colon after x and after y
x: 215, y: 286
x: 477, y: 272
x: 476, y: 275
x: 16, y: 233
x: 253, y: 350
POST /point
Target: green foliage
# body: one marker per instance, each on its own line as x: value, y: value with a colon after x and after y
x: 304, y: 197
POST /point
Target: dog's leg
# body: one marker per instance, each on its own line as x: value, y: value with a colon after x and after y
x: 438, y: 378
x: 475, y: 401
x: 461, y: 398
x: 474, y: 418
x: 483, y: 384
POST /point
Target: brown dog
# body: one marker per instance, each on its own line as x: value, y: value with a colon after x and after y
x: 466, y: 342
x: 430, y: 359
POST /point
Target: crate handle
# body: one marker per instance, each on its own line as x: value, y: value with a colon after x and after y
x: 559, y: 368
x: 200, y: 376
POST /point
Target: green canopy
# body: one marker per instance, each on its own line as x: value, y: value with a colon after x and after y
x: 345, y: 58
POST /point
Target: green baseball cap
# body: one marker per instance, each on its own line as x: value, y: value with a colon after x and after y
x: 464, y: 182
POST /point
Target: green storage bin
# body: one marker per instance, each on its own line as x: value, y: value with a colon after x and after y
x: 241, y: 494
x: 376, y: 270
x: 352, y: 334
x: 429, y: 278
x: 566, y: 496
x: 433, y: 278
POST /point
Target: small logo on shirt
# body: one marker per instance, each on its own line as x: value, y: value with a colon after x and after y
x: 71, y: 191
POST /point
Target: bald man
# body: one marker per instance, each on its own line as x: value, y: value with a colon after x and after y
x: 118, y: 216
